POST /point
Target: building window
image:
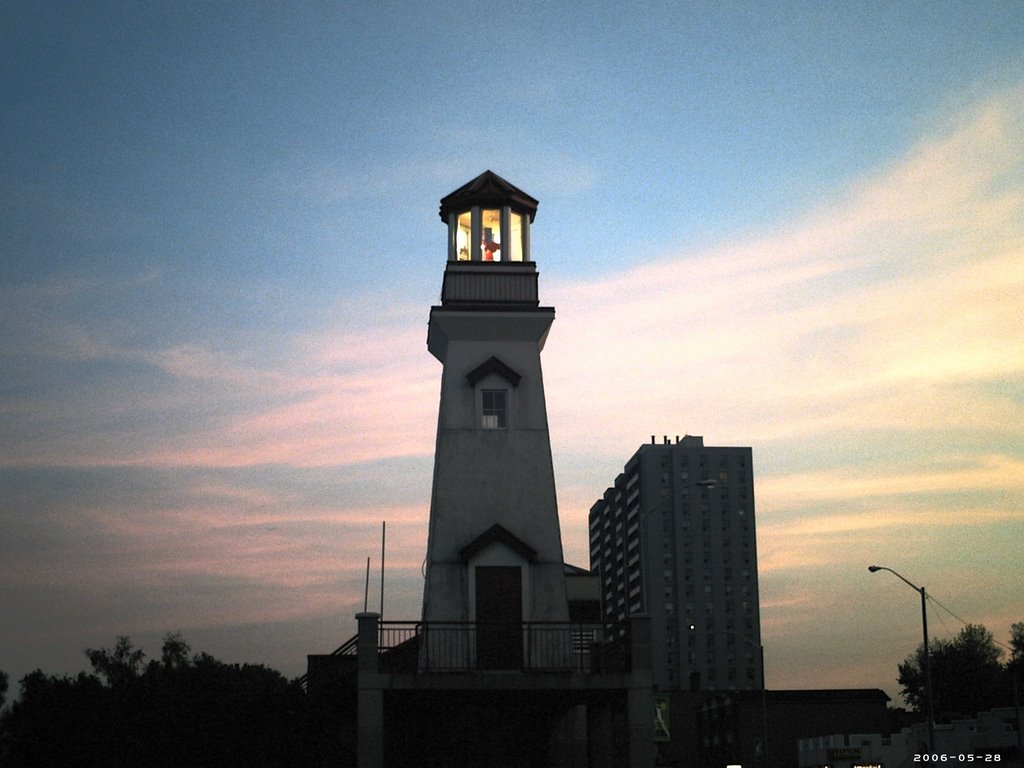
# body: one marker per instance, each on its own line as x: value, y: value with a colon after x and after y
x: 495, y: 409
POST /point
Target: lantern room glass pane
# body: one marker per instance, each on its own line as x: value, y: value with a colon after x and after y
x: 463, y: 237
x: 490, y: 235
x: 515, y: 244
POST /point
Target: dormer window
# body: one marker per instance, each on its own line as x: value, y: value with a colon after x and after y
x: 493, y: 404
x: 494, y: 412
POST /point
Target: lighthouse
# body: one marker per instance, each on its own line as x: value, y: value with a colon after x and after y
x: 494, y: 549
x: 496, y: 671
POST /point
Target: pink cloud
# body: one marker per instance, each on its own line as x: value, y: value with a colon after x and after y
x: 915, y: 279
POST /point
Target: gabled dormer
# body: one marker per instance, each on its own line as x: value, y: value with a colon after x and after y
x: 492, y: 396
x: 493, y: 365
x: 497, y: 535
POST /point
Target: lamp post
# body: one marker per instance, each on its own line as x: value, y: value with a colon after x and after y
x: 927, y: 655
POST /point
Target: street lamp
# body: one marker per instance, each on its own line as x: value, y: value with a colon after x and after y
x: 927, y: 655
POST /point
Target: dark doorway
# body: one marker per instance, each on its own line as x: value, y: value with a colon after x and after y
x: 499, y: 617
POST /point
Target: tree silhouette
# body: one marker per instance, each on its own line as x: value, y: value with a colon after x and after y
x: 178, y: 710
x: 120, y: 666
x: 57, y: 721
x: 1015, y: 666
x: 966, y: 674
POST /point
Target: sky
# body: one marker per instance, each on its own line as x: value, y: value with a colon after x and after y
x: 792, y: 226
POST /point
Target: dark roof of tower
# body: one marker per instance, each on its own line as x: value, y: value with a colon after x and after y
x: 497, y: 534
x: 575, y: 570
x: 493, y: 365
x: 488, y: 190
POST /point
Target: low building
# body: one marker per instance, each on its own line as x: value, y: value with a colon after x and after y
x: 750, y: 729
x: 992, y: 738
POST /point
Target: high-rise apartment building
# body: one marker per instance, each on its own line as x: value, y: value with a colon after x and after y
x: 674, y: 538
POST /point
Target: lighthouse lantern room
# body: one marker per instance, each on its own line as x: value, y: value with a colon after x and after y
x: 488, y: 221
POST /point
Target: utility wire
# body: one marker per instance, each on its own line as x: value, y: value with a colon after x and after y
x: 963, y: 621
x: 942, y: 621
x: 932, y: 598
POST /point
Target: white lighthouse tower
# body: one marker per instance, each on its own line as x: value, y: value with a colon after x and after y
x: 494, y: 550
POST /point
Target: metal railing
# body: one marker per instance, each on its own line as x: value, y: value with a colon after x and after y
x: 348, y: 648
x: 583, y: 648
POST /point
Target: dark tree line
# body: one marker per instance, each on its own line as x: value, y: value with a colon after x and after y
x: 179, y: 710
x: 967, y: 672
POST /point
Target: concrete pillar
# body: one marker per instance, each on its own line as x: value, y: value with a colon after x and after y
x: 640, y: 696
x: 366, y: 645
x: 568, y: 741
x: 370, y: 736
x: 640, y: 642
x: 578, y: 755
x: 600, y: 734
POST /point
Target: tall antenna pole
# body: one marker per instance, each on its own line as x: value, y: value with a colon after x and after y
x: 366, y: 589
x: 383, y: 538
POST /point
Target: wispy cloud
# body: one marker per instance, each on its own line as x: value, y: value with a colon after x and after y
x: 871, y: 353
x: 939, y: 475
x: 883, y: 310
x: 912, y: 282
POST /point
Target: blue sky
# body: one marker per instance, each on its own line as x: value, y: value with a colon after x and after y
x: 794, y: 226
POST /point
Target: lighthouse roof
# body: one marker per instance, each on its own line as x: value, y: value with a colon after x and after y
x: 488, y: 190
